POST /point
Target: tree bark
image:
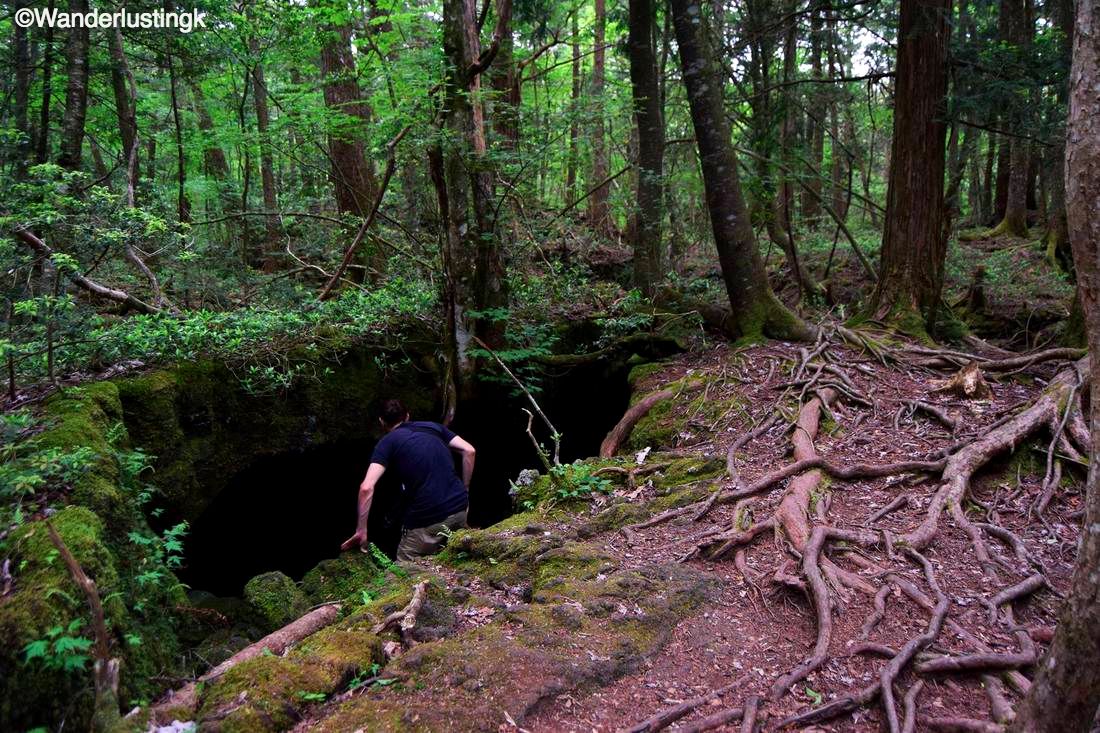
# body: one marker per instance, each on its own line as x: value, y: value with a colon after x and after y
x: 479, y: 283
x: 755, y: 309
x: 42, y: 142
x: 267, y: 166
x: 352, y: 175
x: 76, y: 93
x: 1013, y: 28
x: 124, y: 111
x: 648, y: 116
x: 574, y: 108
x: 913, y: 242
x: 21, y: 53
x: 353, y: 178
x: 598, y: 211
x: 815, y: 129
x: 1066, y: 691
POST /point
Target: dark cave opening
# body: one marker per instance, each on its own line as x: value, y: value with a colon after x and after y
x: 289, y: 511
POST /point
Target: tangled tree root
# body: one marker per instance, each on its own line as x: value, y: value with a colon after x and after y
x: 821, y: 383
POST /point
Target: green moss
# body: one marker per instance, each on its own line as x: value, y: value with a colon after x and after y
x: 642, y: 372
x: 262, y: 694
x: 340, y: 578
x: 45, y: 596
x: 276, y: 599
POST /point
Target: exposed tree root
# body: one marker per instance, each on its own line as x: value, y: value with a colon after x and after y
x: 618, y: 434
x: 670, y: 715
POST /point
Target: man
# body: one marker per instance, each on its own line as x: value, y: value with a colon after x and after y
x: 433, y: 499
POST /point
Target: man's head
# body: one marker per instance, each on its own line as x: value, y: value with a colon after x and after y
x: 393, y: 414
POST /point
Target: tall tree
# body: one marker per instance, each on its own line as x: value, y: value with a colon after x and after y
x: 755, y: 309
x: 649, y: 118
x: 42, y: 142
x: 1066, y: 691
x: 21, y: 52
x: 1014, y: 25
x: 467, y: 180
x: 267, y: 165
x: 913, y: 241
x: 76, y: 92
x: 352, y: 176
x: 574, y: 111
x: 599, y: 213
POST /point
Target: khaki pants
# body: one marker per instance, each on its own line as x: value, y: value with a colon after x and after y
x: 424, y: 541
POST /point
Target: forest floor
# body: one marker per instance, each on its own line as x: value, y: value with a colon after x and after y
x: 768, y: 570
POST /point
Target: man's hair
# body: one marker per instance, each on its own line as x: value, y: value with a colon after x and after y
x: 393, y: 412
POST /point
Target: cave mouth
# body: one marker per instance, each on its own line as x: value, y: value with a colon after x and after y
x: 291, y: 510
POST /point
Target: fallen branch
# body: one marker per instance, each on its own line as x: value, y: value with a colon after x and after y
x: 405, y: 619
x: 104, y: 667
x: 119, y: 296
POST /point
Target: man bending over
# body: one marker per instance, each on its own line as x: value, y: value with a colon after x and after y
x: 433, y: 499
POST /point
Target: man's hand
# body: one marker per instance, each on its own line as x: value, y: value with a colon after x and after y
x: 359, y: 539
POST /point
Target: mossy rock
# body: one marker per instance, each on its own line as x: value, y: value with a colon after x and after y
x: 44, y: 597
x: 82, y: 417
x: 265, y: 693
x: 276, y: 599
x: 340, y: 578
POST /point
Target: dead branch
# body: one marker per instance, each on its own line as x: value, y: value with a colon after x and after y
x: 554, y: 434
x: 405, y: 619
x: 349, y: 253
x: 104, y: 667
x: 897, y: 503
x: 119, y: 296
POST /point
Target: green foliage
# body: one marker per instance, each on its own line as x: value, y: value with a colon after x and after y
x: 577, y: 481
x: 31, y: 472
x: 62, y: 648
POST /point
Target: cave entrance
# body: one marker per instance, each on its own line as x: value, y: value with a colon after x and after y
x: 291, y: 510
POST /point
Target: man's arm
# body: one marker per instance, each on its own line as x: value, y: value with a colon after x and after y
x: 366, y: 495
x: 468, y: 454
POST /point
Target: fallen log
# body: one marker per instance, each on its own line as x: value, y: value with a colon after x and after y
x: 277, y: 642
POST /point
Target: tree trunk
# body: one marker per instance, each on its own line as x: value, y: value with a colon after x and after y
x: 124, y: 113
x: 574, y: 109
x: 815, y: 126
x: 1013, y: 28
x: 913, y: 242
x: 42, y: 144
x: 183, y: 204
x: 645, y: 91
x: 76, y: 93
x: 598, y: 212
x: 480, y: 284
x: 351, y: 173
x: 755, y: 309
x: 21, y: 53
x: 1057, y: 234
x: 267, y: 167
x: 1066, y: 691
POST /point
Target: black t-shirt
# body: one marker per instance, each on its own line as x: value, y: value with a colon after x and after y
x: 418, y: 453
